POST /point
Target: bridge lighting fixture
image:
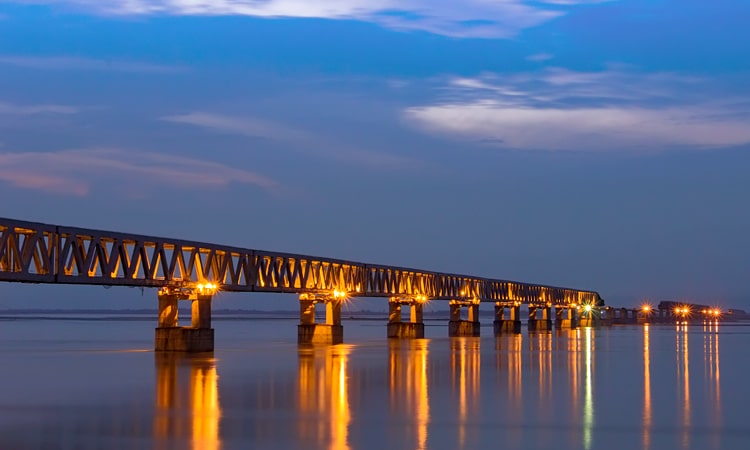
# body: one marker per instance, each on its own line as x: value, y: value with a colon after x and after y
x: 207, y: 287
x: 339, y: 294
x: 587, y: 308
x: 646, y: 308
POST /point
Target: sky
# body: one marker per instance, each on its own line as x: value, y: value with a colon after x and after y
x: 591, y: 144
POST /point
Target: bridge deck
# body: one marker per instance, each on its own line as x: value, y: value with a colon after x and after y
x: 42, y: 253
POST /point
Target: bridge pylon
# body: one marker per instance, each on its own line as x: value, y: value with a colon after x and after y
x: 311, y: 332
x: 566, y: 317
x: 458, y: 327
x: 414, y: 328
x: 540, y: 324
x: 507, y: 324
x: 199, y: 336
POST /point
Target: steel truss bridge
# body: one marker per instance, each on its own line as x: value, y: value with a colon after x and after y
x: 41, y: 253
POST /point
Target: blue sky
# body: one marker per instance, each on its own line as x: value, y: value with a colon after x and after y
x: 593, y: 144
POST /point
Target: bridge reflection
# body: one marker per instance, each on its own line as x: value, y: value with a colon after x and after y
x: 536, y: 375
x: 187, y: 401
x: 323, y: 394
x: 647, y: 414
x: 465, y: 377
x: 712, y: 374
x: 683, y: 379
x: 409, y: 385
x: 579, y: 348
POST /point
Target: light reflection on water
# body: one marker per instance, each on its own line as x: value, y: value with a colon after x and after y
x: 465, y: 379
x: 408, y: 383
x: 187, y: 401
x: 626, y: 387
x: 324, y: 396
x: 647, y: 414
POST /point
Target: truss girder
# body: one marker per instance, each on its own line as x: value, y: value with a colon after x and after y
x: 40, y: 253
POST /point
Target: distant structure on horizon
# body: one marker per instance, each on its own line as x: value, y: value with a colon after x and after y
x: 683, y: 309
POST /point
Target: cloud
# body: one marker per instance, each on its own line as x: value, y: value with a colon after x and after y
x: 301, y: 140
x: 79, y: 63
x: 539, y: 57
x: 468, y: 18
x: 246, y: 126
x: 559, y: 109
x: 9, y: 108
x: 74, y: 172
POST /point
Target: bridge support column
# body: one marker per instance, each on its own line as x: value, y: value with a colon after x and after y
x: 545, y: 324
x: 458, y: 327
x: 309, y: 332
x: 511, y: 324
x: 199, y: 337
x: 566, y: 317
x: 414, y: 328
x: 590, y: 319
x: 540, y: 324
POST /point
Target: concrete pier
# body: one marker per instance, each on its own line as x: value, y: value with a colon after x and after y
x: 170, y: 337
x: 414, y: 328
x: 310, y: 332
x: 540, y: 324
x: 566, y: 317
x: 510, y: 324
x: 458, y: 327
x: 590, y: 317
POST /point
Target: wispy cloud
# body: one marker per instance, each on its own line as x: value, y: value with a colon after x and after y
x: 301, y: 140
x: 25, y: 110
x: 80, y: 63
x: 246, y: 126
x: 74, y: 172
x: 558, y: 109
x: 539, y: 57
x: 468, y: 18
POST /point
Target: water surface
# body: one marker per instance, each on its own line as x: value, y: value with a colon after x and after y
x: 96, y: 384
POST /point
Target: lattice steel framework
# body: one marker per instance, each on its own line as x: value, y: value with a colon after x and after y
x: 40, y: 253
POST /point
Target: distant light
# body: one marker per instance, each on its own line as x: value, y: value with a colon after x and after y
x: 646, y: 308
x: 587, y: 308
x: 339, y: 294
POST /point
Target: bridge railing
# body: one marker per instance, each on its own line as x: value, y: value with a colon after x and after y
x: 41, y: 253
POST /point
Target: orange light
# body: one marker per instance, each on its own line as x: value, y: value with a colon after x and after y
x: 207, y: 287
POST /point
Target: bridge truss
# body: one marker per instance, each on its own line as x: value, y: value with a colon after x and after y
x: 40, y: 253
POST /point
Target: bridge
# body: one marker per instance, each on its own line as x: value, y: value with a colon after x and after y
x: 32, y: 252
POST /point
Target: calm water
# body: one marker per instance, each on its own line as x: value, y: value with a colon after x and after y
x: 96, y: 384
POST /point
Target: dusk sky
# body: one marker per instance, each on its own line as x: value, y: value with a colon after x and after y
x: 590, y: 144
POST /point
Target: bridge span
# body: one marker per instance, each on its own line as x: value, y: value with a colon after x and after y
x: 32, y: 252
